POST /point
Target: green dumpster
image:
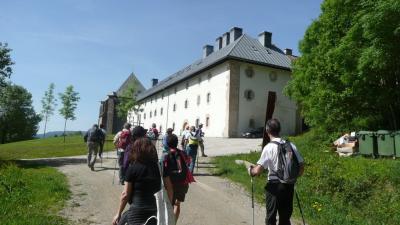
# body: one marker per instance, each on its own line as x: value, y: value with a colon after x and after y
x: 367, y: 143
x: 397, y: 143
x: 385, y: 143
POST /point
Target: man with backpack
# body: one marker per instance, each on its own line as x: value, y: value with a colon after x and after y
x: 284, y: 164
x: 153, y: 134
x: 175, y: 168
x: 121, y: 141
x: 93, y: 138
x: 200, y: 133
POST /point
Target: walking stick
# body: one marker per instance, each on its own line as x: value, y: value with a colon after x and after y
x: 252, y: 196
x: 298, y: 203
x: 197, y: 162
x: 115, y: 168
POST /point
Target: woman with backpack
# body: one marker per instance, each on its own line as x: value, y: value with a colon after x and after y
x: 175, y: 170
x: 143, y: 180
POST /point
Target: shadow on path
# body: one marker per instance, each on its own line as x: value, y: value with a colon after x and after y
x: 53, y: 162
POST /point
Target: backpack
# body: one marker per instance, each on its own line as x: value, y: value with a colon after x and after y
x: 152, y: 134
x: 172, y: 160
x: 193, y: 140
x: 95, y: 135
x: 288, y: 164
x: 124, y: 139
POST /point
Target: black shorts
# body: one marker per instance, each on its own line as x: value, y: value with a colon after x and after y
x: 180, y: 191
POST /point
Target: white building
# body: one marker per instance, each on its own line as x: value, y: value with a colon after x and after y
x: 227, y: 90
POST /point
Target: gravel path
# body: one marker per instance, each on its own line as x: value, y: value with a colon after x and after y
x: 210, y: 201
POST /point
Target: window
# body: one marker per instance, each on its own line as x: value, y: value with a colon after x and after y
x: 199, y: 79
x: 198, y: 99
x: 155, y: 112
x: 208, y: 97
x: 249, y: 72
x: 207, y: 121
x: 252, y: 123
x: 151, y: 114
x: 162, y: 96
x: 197, y: 122
x: 186, y: 104
x: 249, y: 95
x: 187, y: 85
x: 174, y: 107
x: 144, y: 116
x: 175, y: 90
x: 161, y: 111
x: 173, y: 126
x: 209, y: 75
x: 160, y: 130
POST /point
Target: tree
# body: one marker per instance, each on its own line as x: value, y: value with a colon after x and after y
x: 348, y: 76
x: 5, y: 64
x: 18, y: 119
x: 48, y: 105
x: 69, y: 100
x: 126, y: 101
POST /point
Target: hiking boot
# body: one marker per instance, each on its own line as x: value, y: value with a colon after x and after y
x: 121, y: 182
x: 92, y: 168
x: 204, y: 155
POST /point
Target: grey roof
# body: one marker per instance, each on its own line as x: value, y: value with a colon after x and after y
x: 131, y: 79
x: 245, y: 48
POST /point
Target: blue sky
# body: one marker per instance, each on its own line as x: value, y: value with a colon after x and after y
x: 95, y: 44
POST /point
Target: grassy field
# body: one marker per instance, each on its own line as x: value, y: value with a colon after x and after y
x: 31, y: 195
x: 48, y: 147
x: 333, y: 190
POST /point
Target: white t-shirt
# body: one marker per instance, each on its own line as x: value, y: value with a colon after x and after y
x: 269, y: 157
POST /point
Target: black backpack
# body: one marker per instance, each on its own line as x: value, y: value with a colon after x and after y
x: 95, y: 135
x: 173, y: 159
x: 288, y: 164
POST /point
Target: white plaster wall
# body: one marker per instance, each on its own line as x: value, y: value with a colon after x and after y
x: 215, y: 109
x: 260, y: 83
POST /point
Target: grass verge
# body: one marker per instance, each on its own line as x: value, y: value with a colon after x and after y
x: 47, y: 147
x: 31, y: 195
x: 333, y: 190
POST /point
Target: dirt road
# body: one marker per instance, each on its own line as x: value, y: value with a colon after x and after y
x: 211, y: 200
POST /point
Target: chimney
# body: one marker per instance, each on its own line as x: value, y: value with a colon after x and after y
x: 225, y: 39
x: 265, y: 38
x: 288, y: 51
x: 207, y: 50
x: 218, y: 43
x: 236, y: 32
x: 154, y: 81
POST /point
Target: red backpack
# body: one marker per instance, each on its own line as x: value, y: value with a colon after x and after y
x: 124, y: 139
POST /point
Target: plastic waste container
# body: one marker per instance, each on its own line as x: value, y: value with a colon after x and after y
x: 367, y: 143
x: 397, y: 143
x: 385, y: 143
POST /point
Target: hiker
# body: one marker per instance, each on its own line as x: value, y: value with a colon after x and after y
x: 175, y: 169
x: 279, y: 188
x: 184, y: 134
x: 121, y: 141
x: 192, y: 140
x: 201, y: 140
x: 153, y: 134
x: 143, y: 180
x: 102, y: 128
x: 165, y: 144
x: 93, y: 138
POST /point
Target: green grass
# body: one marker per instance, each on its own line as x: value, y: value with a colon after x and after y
x: 31, y: 195
x: 333, y: 190
x: 48, y: 147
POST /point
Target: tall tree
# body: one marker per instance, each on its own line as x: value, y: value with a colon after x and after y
x: 69, y: 100
x: 348, y: 76
x: 18, y: 119
x: 127, y: 100
x: 48, y: 105
x: 5, y: 64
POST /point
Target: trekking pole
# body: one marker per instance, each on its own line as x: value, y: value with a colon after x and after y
x: 197, y: 162
x: 115, y: 168
x: 298, y: 203
x: 252, y: 196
